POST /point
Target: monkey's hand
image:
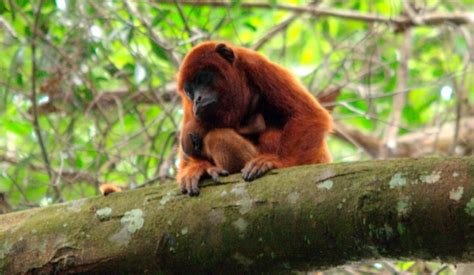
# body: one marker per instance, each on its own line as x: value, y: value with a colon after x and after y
x: 189, y: 176
x: 260, y: 165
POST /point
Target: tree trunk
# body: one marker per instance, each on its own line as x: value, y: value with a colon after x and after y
x: 298, y: 218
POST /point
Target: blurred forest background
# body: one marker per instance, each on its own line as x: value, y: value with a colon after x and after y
x: 87, y: 88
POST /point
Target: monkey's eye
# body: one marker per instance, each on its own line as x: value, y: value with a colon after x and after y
x: 188, y: 91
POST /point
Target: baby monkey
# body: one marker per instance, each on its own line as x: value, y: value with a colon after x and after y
x: 225, y: 147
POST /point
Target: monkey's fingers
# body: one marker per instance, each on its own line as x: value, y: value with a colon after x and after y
x: 189, y: 185
x: 184, y: 190
x: 264, y: 169
x: 257, y: 167
x: 258, y: 170
x: 215, y: 172
x: 246, y: 171
x: 194, y: 187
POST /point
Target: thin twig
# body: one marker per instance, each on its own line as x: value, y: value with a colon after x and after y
x: 6, y: 26
x: 174, y: 58
x: 185, y: 22
x: 369, y: 116
x: 36, y: 126
x: 390, y: 135
x: 274, y: 30
x: 278, y: 28
x: 460, y: 88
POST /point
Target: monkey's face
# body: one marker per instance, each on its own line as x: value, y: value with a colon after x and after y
x: 205, y: 98
x: 210, y: 80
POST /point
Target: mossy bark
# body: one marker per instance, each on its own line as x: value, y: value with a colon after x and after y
x: 298, y: 218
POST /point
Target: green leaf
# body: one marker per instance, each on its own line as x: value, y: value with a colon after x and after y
x: 17, y: 127
x: 3, y: 7
x: 158, y: 50
x: 250, y: 26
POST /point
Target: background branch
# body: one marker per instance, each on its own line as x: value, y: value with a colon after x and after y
x: 458, y: 18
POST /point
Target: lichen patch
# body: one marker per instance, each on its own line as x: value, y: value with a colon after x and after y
x: 245, y: 201
x: 241, y: 225
x: 327, y: 173
x: 293, y: 197
x: 327, y: 184
x: 122, y: 237
x: 239, y: 189
x: 245, y: 204
x: 403, y: 206
x: 5, y: 249
x: 470, y: 207
x: 133, y: 220
x: 104, y: 213
x: 216, y: 216
x: 75, y: 206
x: 431, y: 178
x: 245, y: 261
x: 456, y: 193
x: 166, y: 198
x: 397, y: 180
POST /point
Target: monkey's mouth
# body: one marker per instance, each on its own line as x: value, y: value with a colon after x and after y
x: 206, y: 110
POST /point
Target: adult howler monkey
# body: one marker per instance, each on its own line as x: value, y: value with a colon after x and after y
x: 217, y: 83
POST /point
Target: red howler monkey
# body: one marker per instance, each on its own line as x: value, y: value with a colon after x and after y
x: 217, y: 82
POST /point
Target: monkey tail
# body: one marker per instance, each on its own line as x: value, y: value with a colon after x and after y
x: 108, y: 188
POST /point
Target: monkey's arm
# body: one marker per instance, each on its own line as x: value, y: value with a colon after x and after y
x: 192, y: 169
x: 301, y: 141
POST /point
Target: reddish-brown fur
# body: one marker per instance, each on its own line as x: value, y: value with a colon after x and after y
x: 187, y: 145
x: 224, y: 147
x: 108, y: 188
x: 228, y: 150
x: 296, y: 123
x: 254, y: 126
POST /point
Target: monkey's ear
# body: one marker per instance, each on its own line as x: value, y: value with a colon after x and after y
x: 225, y: 52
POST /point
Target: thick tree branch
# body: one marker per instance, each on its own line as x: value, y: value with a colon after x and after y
x: 458, y: 18
x: 298, y: 218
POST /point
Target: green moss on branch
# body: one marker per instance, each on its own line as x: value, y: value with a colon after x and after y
x: 297, y: 218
